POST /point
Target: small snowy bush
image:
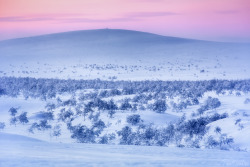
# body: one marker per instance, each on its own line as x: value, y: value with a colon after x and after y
x: 210, y: 103
x: 127, y: 136
x: 13, y: 121
x: 65, y: 114
x: 2, y: 125
x: 125, y: 105
x: 50, y: 106
x: 247, y: 101
x: 134, y: 119
x: 160, y: 106
x: 83, y: 134
x: 23, y: 118
x: 56, y: 131
x: 13, y: 111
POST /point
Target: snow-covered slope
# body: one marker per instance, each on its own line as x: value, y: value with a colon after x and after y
x: 27, y: 153
x: 122, y: 54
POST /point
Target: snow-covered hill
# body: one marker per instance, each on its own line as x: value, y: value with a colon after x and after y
x: 122, y: 55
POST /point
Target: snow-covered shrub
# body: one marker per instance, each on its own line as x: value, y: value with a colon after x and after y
x: 195, y: 127
x: 240, y: 126
x: 97, y: 102
x: 167, y: 135
x: 160, y: 106
x: 195, y: 101
x: 65, y: 115
x: 87, y: 109
x: 91, y: 95
x: 2, y: 91
x: 247, y: 101
x: 225, y: 142
x: 2, y: 125
x: 94, y: 117
x: 70, y: 102
x: 69, y: 126
x: 149, y: 134
x: 125, y: 105
x: 42, y: 125
x: 13, y: 120
x: 111, y: 113
x: 98, y: 127
x: 140, y: 98
x: 141, y: 107
x: 211, y: 142
x: 112, y: 105
x: 103, y: 140
x: 83, y: 134
x: 106, y: 138
x: 128, y: 91
x: 245, y: 114
x: 127, y: 136
x: 224, y: 115
x: 114, y: 92
x: 210, y: 103
x: 134, y: 107
x: 195, y: 143
x: 217, y: 130
x: 13, y: 111
x: 23, y: 118
x: 103, y: 93
x: 50, y: 106
x: 201, y: 110
x: 134, y: 119
x: 56, y: 131
x: 237, y: 121
x: 217, y: 116
x: 238, y: 94
x: 180, y: 106
x: 81, y: 97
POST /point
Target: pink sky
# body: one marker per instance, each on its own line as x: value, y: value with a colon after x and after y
x: 219, y: 20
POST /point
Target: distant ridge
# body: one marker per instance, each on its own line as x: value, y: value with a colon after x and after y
x: 105, y: 33
x: 102, y: 44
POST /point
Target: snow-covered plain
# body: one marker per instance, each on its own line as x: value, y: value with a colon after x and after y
x: 123, y: 55
x: 22, y: 151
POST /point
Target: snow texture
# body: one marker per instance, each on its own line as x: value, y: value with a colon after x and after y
x: 23, y: 152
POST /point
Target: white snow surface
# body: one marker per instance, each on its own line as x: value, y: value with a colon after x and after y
x: 24, y: 152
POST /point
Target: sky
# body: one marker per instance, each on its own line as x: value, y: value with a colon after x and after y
x: 216, y: 20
